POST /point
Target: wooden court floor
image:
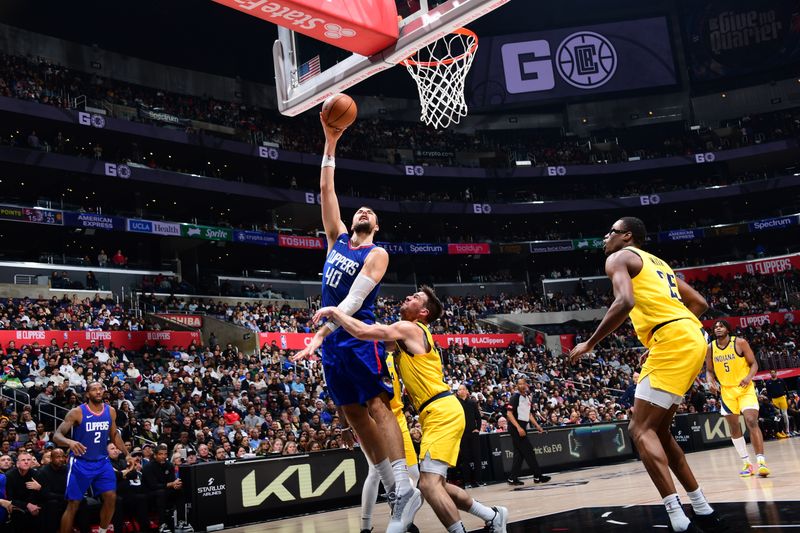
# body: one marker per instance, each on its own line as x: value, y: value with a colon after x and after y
x: 623, y: 484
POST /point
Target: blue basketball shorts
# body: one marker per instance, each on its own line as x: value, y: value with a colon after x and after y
x: 82, y: 474
x: 355, y: 370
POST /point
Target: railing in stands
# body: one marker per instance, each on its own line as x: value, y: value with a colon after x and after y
x: 19, y: 397
x: 51, y: 415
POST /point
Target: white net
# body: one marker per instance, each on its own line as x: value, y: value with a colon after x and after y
x: 440, y: 70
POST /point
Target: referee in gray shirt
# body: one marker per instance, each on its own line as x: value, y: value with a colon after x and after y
x: 519, y: 415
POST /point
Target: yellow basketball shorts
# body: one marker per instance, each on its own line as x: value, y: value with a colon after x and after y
x: 736, y: 399
x: 442, y: 427
x: 677, y: 353
x: 780, y: 403
x: 408, y: 446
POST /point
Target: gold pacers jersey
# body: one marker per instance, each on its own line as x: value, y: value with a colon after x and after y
x: 729, y: 367
x: 396, y: 402
x: 422, y: 374
x: 656, y: 296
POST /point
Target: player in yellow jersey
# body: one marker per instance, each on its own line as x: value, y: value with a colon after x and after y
x: 369, y: 492
x: 441, y: 416
x: 664, y: 311
x: 730, y: 361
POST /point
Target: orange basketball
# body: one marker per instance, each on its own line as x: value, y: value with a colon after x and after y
x: 339, y: 111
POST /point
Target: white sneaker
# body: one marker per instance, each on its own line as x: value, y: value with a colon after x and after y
x: 405, y: 507
x: 498, y: 523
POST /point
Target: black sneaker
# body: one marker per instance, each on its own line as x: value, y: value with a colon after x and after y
x: 412, y: 529
x: 541, y: 479
x: 515, y: 482
x: 710, y: 523
x: 366, y: 530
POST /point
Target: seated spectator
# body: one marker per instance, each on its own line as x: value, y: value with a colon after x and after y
x: 164, y: 490
x: 25, y: 494
x: 53, y: 480
x: 119, y: 260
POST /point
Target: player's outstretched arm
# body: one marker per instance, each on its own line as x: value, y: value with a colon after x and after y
x: 692, y: 299
x: 331, y: 216
x: 617, y: 266
x: 74, y: 417
x: 399, y: 331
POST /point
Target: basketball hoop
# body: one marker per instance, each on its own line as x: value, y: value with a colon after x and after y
x: 439, y: 70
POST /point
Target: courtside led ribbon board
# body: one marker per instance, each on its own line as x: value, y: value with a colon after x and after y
x: 360, y: 26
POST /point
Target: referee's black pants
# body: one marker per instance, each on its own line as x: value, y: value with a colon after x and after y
x: 523, y: 450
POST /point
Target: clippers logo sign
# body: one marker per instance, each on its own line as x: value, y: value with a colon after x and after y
x: 586, y: 60
x: 572, y: 62
x: 91, y: 119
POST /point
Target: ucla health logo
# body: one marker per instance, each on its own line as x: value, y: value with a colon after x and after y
x: 586, y: 60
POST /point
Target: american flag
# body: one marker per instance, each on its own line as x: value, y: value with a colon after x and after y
x: 308, y: 70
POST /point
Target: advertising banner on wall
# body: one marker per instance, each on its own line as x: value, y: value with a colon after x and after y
x: 29, y: 214
x: 768, y: 266
x: 571, y: 62
x: 95, y: 221
x: 758, y: 320
x: 727, y: 38
x: 304, y: 243
x: 193, y: 321
x: 208, y: 233
x: 261, y: 238
x: 680, y: 235
x: 475, y: 248
x: 298, y: 341
x: 132, y: 340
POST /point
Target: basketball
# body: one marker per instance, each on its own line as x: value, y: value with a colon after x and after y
x: 339, y: 111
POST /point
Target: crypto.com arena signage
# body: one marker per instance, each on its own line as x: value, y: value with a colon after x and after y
x: 570, y: 62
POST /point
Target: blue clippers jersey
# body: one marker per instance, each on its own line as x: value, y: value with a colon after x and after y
x: 92, y: 432
x: 341, y: 269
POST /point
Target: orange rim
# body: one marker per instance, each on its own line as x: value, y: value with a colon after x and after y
x: 428, y: 64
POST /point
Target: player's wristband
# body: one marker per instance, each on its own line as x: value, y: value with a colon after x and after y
x: 328, y: 161
x: 331, y: 325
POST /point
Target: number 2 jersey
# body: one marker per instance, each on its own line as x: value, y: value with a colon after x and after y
x: 93, y: 433
x: 656, y: 297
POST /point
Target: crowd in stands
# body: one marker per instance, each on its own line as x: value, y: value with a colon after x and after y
x: 69, y: 313
x: 36, y: 79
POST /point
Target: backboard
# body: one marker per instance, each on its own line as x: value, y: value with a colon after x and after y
x: 309, y: 71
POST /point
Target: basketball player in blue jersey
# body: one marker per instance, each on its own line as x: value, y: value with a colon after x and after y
x: 355, y: 370
x: 92, y: 425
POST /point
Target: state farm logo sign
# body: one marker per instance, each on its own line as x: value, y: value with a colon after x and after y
x: 294, y: 17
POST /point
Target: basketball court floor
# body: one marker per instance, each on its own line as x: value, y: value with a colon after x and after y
x: 609, y: 498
